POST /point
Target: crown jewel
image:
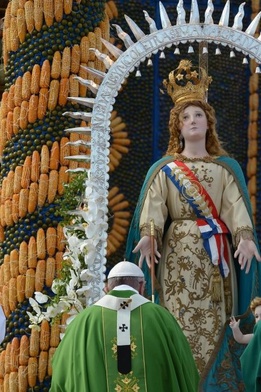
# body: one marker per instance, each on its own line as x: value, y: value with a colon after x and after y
x: 186, y: 83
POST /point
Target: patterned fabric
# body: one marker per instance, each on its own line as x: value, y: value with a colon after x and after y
x: 161, y: 359
x: 186, y: 274
x: 212, y: 228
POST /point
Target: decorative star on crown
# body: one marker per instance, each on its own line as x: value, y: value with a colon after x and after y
x: 185, y: 83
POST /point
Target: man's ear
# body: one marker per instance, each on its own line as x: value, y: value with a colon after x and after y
x: 141, y: 287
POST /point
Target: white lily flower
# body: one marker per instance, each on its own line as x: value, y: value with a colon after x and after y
x: 90, y: 257
x: 40, y: 297
x: 35, y: 305
x: 86, y: 274
x: 83, y: 290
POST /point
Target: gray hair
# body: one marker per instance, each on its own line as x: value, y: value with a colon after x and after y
x: 132, y: 281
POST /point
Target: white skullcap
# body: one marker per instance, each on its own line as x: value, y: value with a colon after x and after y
x: 125, y: 268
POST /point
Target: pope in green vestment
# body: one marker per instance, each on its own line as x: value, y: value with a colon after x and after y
x: 160, y: 357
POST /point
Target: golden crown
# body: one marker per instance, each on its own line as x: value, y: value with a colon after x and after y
x: 186, y: 83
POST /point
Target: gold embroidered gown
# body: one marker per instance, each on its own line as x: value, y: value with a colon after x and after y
x: 185, y: 271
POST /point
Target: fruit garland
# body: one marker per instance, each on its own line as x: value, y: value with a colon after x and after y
x: 44, y: 45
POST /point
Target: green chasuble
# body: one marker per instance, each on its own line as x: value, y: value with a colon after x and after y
x: 161, y: 359
x: 251, y: 362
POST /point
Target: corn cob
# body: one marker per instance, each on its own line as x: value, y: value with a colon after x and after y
x: 60, y: 239
x: 53, y: 94
x: 51, y: 238
x: 50, y: 271
x: 75, y: 59
x: 6, y: 382
x: 58, y: 10
x: 63, y: 91
x: 9, y: 185
x: 4, y: 104
x: 43, y: 189
x: 23, y: 378
x: 24, y: 114
x: 34, y: 343
x: 29, y: 282
x: 35, y: 79
x: 40, y: 244
x: 38, y: 14
x: 2, y: 364
x: 17, y: 93
x: 48, y: 10
x: 55, y: 334
x: 52, y: 185
x: 32, y: 371
x: 66, y: 62
x: 73, y: 87
x: 26, y: 85
x: 33, y: 108
x: 33, y: 197
x: 26, y: 173
x: 67, y: 6
x: 14, y: 40
x: 17, y: 179
x: 24, y: 350
x: 62, y: 179
x: 40, y: 275
x: 21, y: 279
x: 15, y: 207
x: 14, y: 7
x: 44, y: 335
x: 23, y: 203
x: 12, y: 294
x: 8, y: 213
x: 83, y: 74
x: 84, y: 49
x: 45, y: 156
x: 16, y: 119
x: 14, y: 353
x: 50, y: 357
x: 23, y: 257
x: 56, y: 65
x: 35, y: 170
x: 42, y: 365
x: 29, y: 15
x: 54, y: 156
x: 2, y: 215
x: 43, y: 102
x: 21, y: 25
x: 10, y: 101
x: 64, y: 151
x: 5, y: 300
x: 45, y: 75
x: 14, y: 264
x: 9, y: 125
x: 8, y: 358
x: 32, y: 253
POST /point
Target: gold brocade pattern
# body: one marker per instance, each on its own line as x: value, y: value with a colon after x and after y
x: 127, y: 383
x: 188, y: 283
x: 185, y: 271
x: 133, y: 347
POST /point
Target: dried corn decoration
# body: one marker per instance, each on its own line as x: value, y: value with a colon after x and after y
x: 252, y: 163
x: 45, y: 42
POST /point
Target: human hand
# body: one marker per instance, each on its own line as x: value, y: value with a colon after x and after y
x: 234, y: 323
x: 245, y: 252
x: 144, y: 246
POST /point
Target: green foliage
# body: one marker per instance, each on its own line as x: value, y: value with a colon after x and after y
x: 72, y: 197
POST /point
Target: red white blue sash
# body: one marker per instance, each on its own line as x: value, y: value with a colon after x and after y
x: 213, y: 230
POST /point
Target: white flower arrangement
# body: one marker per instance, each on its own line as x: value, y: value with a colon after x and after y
x: 72, y: 290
